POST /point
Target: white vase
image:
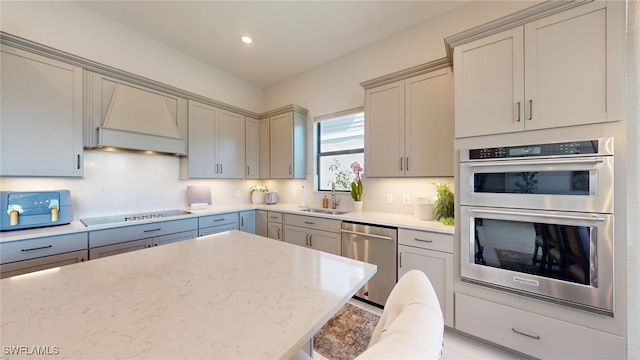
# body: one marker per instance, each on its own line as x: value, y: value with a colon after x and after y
x: 257, y: 197
x: 357, y: 206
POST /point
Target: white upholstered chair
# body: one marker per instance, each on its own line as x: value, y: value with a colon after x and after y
x: 411, y: 325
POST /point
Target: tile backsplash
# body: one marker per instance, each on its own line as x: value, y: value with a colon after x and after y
x: 117, y: 182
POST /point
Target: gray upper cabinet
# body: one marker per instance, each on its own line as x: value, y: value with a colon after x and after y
x: 41, y: 118
x: 216, y: 144
x: 125, y: 115
x: 252, y: 148
x: 409, y: 121
x: 287, y: 142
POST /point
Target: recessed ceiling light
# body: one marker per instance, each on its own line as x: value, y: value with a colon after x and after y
x: 246, y: 39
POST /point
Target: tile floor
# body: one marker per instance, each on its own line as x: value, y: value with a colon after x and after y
x: 456, y: 346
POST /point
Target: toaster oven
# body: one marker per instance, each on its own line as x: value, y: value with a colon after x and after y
x: 31, y: 209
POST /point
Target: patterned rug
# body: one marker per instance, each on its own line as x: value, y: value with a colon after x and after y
x: 347, y: 334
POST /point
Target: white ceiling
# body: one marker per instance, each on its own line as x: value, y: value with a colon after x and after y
x: 289, y: 36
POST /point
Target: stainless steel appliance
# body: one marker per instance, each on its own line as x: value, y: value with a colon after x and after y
x: 538, y: 220
x: 375, y: 245
x: 271, y: 198
x: 31, y: 209
x: 132, y: 217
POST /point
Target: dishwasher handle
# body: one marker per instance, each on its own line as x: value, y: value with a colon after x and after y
x: 367, y: 235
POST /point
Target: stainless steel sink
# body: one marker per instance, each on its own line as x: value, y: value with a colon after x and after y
x: 325, y: 211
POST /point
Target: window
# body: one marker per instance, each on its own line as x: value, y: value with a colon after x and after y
x: 340, y: 143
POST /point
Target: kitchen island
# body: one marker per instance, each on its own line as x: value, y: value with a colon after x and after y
x: 230, y: 295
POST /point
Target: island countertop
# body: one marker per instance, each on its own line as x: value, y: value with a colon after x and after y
x: 229, y: 295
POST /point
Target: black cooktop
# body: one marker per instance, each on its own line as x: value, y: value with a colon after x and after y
x: 132, y: 217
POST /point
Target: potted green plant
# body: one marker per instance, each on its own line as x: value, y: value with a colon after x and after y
x: 444, y: 204
x: 356, y: 186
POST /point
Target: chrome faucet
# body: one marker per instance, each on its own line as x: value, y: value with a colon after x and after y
x: 334, y: 200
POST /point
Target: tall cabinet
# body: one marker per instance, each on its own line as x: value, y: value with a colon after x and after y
x: 409, y: 123
x: 283, y: 138
x: 41, y: 118
x: 252, y: 148
x: 216, y: 143
x: 562, y: 70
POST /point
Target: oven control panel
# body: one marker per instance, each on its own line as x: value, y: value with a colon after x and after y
x: 585, y: 147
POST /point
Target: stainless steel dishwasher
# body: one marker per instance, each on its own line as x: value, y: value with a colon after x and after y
x: 375, y: 245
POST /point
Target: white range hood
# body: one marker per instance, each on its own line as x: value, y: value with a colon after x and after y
x: 131, y: 117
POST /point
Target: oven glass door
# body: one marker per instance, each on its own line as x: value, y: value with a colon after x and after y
x: 564, y: 256
x: 570, y: 184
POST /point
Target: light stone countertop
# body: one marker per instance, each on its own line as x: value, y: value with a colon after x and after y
x: 225, y: 296
x: 370, y: 217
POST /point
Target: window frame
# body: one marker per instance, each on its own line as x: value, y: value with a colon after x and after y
x: 319, y: 155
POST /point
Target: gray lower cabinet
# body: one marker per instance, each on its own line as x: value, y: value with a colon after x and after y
x: 24, y: 256
x: 432, y: 253
x: 135, y: 237
x: 274, y: 226
x: 248, y: 221
x: 261, y: 222
x: 304, y: 231
x: 41, y: 118
x: 213, y: 224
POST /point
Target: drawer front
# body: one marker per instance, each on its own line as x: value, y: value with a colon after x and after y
x: 273, y: 216
x: 219, y: 219
x: 217, y: 229
x: 39, y: 247
x: 426, y: 240
x: 311, y: 222
x: 533, y: 334
x: 43, y: 263
x: 136, y: 232
x: 120, y: 248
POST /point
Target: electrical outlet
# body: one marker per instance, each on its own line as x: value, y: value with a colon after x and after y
x: 406, y: 199
x: 389, y: 199
x: 237, y: 193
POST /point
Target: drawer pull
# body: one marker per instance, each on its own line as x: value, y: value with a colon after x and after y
x: 152, y: 230
x: 309, y: 222
x: 218, y: 219
x: 536, y: 337
x: 424, y: 240
x: 273, y: 217
x: 37, y: 248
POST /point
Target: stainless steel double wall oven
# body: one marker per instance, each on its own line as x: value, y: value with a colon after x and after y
x: 538, y: 220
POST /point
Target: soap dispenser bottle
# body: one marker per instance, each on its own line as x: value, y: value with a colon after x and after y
x: 325, y: 202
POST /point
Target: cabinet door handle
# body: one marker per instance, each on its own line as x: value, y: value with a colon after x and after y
x: 241, y: 221
x: 407, y: 167
x: 279, y: 234
x: 248, y: 171
x: 530, y: 109
x: 216, y: 168
x: 401, y: 169
x: 152, y: 230
x: 221, y: 171
x: 311, y: 240
x: 306, y: 239
x: 518, y: 111
x: 424, y: 240
x: 290, y: 166
x: 37, y: 248
x: 78, y: 161
x: 536, y: 337
x: 400, y: 260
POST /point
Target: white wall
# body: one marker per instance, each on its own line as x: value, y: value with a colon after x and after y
x: 335, y: 86
x: 69, y: 27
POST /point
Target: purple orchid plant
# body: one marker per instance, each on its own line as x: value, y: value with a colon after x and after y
x: 356, y: 184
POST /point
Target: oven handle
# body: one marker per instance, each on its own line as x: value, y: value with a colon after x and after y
x: 545, y: 162
x: 519, y: 213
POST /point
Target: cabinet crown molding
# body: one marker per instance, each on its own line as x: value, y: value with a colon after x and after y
x: 508, y: 22
x: 406, y: 73
x: 284, y: 109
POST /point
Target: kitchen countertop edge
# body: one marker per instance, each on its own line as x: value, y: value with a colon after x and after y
x: 369, y: 217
